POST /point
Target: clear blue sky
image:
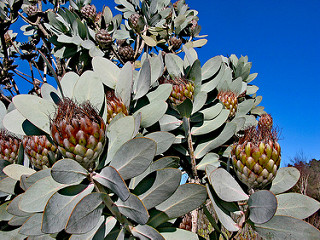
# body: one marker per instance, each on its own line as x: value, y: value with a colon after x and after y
x: 282, y: 40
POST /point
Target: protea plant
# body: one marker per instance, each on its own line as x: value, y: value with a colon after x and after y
x: 79, y: 132
x: 229, y: 100
x: 256, y: 156
x: 9, y: 146
x: 182, y: 89
x: 114, y: 106
x: 38, y: 149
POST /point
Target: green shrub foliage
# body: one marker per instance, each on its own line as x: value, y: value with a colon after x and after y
x: 120, y: 113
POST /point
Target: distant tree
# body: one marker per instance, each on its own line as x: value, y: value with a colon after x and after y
x: 309, y: 182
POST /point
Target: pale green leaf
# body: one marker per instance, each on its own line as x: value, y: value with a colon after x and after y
x: 37, y: 110
x: 296, y: 205
x: 37, y: 196
x: 15, y: 171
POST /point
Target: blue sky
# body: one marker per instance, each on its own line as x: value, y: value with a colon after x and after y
x: 282, y: 40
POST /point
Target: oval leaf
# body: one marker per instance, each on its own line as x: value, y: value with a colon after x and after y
x: 134, y: 209
x: 59, y: 208
x: 185, y: 199
x: 143, y: 231
x: 15, y: 171
x: 143, y: 81
x: 163, y: 140
x: 110, y: 178
x: 224, y: 218
x: 68, y: 171
x: 32, y: 227
x: 284, y: 227
x: 107, y: 71
x: 226, y: 187
x: 285, y: 179
x: 86, y: 214
x: 166, y: 182
x: 89, y: 88
x: 262, y: 205
x: 124, y: 84
x: 296, y: 205
x: 134, y: 157
x: 37, y: 110
x: 37, y: 196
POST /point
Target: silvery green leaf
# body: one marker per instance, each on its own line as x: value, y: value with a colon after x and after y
x: 156, y: 68
x: 177, y: 233
x: 4, y: 214
x: 13, y: 208
x: 37, y: 110
x: 145, y: 231
x: 118, y: 135
x: 134, y: 157
x: 152, y: 113
x: 162, y: 92
x: 212, y: 112
x: 195, y: 76
x: 214, y: 82
x: 92, y: 233
x: 86, y: 214
x: 107, y: 71
x: 199, y: 101
x: 252, y: 89
x: 26, y: 183
x: 95, y: 51
x: 164, y: 140
x: 186, y: 198
x: 211, y: 67
x: 226, y: 187
x: 89, y: 88
x: 32, y: 227
x: 143, y: 81
x: 169, y: 122
x: 244, y: 107
x: 68, y: 82
x: 60, y: 206
x: 166, y: 182
x: 3, y: 112
x: 190, y: 56
x: 50, y: 93
x: 285, y: 179
x: 236, y: 85
x: 224, y: 218
x: 296, y: 205
x: 124, y: 84
x: 251, y: 77
x: 107, y: 15
x: 68, y: 171
x: 225, y: 135
x: 262, y: 205
x: 285, y: 227
x: 37, y: 196
x: 7, y: 185
x: 15, y: 171
x: 209, y: 159
x: 211, y: 125
x: 13, y: 234
x: 134, y: 209
x: 174, y: 64
x: 110, y: 178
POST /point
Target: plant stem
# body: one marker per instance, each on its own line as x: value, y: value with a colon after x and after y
x: 194, y: 213
x: 112, y: 207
